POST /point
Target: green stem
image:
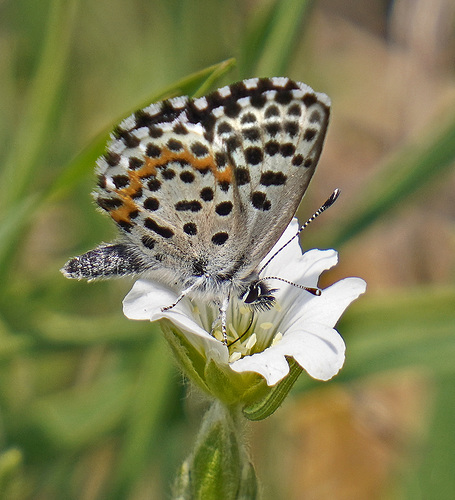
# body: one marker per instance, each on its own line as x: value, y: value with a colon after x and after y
x: 219, y: 466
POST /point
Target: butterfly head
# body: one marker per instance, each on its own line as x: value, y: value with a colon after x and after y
x: 259, y: 296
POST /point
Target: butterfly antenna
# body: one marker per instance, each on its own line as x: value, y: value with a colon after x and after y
x: 311, y: 289
x: 328, y: 203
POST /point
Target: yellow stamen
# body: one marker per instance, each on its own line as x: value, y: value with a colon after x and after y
x: 251, y: 342
x: 276, y: 339
x: 218, y: 335
x: 235, y: 356
x: 232, y: 330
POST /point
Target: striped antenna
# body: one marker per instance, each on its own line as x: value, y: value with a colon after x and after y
x: 316, y: 214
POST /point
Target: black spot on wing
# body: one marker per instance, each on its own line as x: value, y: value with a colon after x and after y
x: 120, y: 181
x: 272, y: 148
x: 260, y: 201
x: 187, y: 177
x: 190, y: 228
x: 188, y: 206
x: 242, y: 176
x: 153, y: 151
x: 151, y: 204
x: 175, y: 145
x: 270, y: 178
x: 112, y: 159
x: 254, y: 155
x: 163, y: 231
x: 168, y: 174
x: 287, y: 149
x: 251, y: 134
x: 155, y: 132
x: 224, y: 208
x: 272, y: 111
x: 248, y: 118
x: 297, y: 160
x: 220, y: 238
x: 180, y: 129
x: 206, y: 194
x: 109, y: 203
x: 309, y: 134
x: 154, y: 184
x: 199, y: 149
x: 135, y: 163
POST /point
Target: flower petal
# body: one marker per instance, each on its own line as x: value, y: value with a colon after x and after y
x: 330, y: 305
x: 304, y: 271
x: 270, y: 364
x: 289, y: 253
x: 290, y: 258
x: 146, y: 300
x: 317, y: 349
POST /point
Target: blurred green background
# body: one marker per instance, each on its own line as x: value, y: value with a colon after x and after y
x: 91, y: 406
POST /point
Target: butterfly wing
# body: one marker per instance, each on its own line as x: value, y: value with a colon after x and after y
x: 272, y: 131
x: 170, y: 194
x: 206, y: 186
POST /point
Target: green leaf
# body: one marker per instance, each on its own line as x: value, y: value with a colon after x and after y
x: 10, y: 472
x: 192, y: 85
x: 275, y: 396
x: 270, y: 41
x: 12, y: 229
x: 41, y: 100
x: 434, y: 477
x: 79, y: 416
x: 415, y: 168
x: 67, y: 330
x: 145, y: 415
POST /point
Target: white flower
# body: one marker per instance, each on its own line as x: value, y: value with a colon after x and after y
x: 300, y: 325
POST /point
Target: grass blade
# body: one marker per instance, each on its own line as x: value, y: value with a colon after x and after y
x: 269, y: 45
x: 412, y: 170
x: 44, y: 92
x: 191, y: 85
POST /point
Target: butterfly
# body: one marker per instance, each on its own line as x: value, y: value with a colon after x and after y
x: 202, y: 189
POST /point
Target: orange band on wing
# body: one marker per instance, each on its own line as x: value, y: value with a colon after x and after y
x: 150, y: 169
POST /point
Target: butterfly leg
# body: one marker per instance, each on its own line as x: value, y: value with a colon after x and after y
x: 180, y: 297
x: 223, y: 317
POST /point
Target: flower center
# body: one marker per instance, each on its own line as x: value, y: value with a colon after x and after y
x: 246, y: 333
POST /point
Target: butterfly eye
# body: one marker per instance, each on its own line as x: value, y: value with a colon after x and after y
x: 252, y: 293
x: 260, y: 296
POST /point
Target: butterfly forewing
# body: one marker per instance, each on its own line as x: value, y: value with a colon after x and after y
x: 273, y: 141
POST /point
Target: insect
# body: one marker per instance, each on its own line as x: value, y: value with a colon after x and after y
x: 202, y: 189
